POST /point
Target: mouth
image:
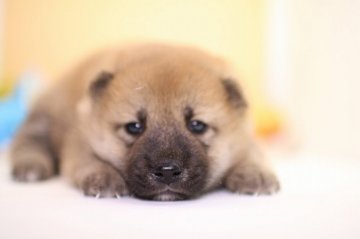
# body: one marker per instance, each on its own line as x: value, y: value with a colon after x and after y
x: 169, y: 195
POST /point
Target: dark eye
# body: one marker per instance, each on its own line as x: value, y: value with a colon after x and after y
x: 134, y: 128
x: 197, y: 127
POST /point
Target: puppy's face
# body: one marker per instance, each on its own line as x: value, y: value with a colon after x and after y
x: 164, y: 124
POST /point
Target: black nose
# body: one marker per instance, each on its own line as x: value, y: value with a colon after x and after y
x: 167, y: 174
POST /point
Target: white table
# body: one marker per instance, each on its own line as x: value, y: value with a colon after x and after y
x: 320, y: 198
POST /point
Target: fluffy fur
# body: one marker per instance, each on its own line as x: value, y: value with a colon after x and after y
x: 79, y: 128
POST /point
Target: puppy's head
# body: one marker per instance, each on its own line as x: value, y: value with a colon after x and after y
x: 165, y: 120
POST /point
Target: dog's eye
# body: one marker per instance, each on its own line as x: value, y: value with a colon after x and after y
x: 197, y: 127
x: 134, y: 128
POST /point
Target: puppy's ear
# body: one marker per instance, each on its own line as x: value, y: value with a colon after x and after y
x: 98, y: 86
x: 234, y: 94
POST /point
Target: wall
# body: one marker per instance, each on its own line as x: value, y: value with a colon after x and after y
x: 2, y: 17
x: 325, y: 56
x: 51, y: 35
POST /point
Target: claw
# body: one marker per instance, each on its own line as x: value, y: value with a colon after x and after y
x: 117, y: 196
x: 98, y: 195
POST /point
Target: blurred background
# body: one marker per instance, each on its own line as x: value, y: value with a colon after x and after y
x: 298, y: 60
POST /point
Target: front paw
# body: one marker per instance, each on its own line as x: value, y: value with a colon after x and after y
x: 103, y: 184
x: 252, y: 181
x: 30, y: 171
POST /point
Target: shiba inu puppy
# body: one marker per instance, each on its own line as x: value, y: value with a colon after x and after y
x: 153, y: 121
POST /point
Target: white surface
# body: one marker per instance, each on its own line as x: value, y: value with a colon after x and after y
x: 319, y: 199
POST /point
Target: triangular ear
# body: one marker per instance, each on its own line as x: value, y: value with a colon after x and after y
x: 234, y: 94
x: 98, y: 86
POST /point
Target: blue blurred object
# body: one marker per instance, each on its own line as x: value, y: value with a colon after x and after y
x: 13, y: 110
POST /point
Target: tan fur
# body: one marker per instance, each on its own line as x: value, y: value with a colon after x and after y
x: 92, y: 155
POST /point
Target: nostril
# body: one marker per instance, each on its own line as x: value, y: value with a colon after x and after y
x: 177, y: 173
x: 158, y: 174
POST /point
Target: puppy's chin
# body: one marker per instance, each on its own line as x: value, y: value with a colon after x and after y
x: 169, y: 196
x: 166, y: 195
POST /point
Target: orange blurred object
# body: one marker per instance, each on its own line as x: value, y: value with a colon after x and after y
x: 268, y: 121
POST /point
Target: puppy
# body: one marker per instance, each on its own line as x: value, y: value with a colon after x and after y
x: 153, y: 121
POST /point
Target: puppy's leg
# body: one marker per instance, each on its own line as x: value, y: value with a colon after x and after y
x: 32, y: 154
x: 94, y: 176
x: 252, y: 175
